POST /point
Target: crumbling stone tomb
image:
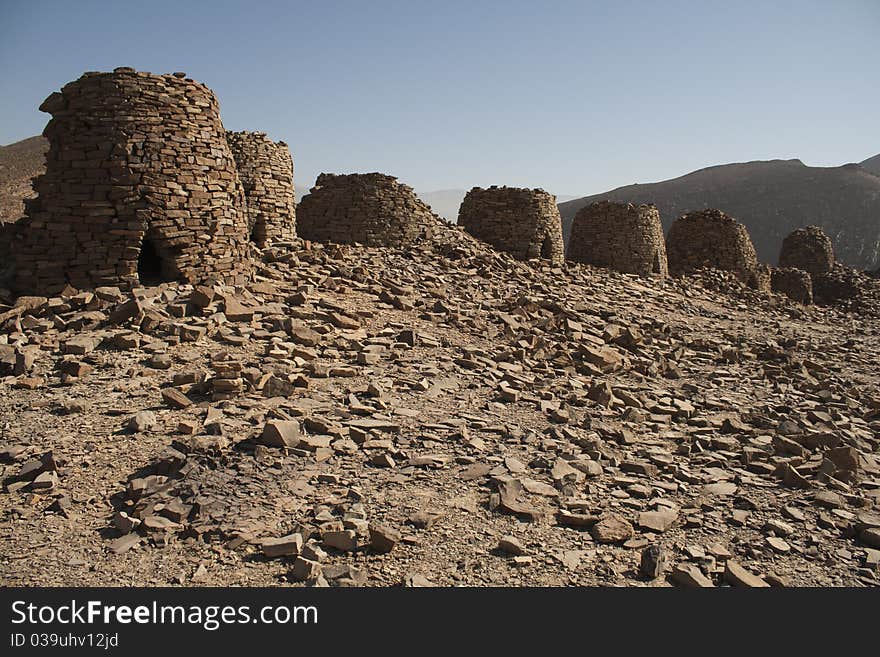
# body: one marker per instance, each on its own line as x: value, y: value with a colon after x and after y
x: 710, y: 238
x: 372, y: 209
x: 809, y: 254
x: 808, y: 249
x: 140, y: 187
x: 620, y: 236
x: 522, y: 222
x: 266, y: 172
x: 794, y: 283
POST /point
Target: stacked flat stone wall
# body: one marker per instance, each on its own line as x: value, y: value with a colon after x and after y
x: 522, y: 222
x: 762, y: 279
x: 809, y: 249
x: 266, y: 172
x: 373, y: 209
x: 619, y: 236
x: 794, y: 283
x: 7, y: 236
x: 710, y: 238
x: 138, y: 164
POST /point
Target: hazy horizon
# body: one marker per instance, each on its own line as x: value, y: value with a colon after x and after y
x: 575, y: 97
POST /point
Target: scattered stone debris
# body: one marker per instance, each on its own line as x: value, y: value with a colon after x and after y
x: 439, y: 414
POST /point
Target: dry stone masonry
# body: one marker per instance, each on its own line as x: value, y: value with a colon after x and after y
x: 809, y: 249
x: 266, y: 171
x: 809, y: 252
x: 7, y: 234
x: 762, y: 279
x: 522, y: 222
x: 794, y: 283
x: 710, y: 238
x: 839, y: 284
x: 619, y: 236
x: 140, y: 187
x: 226, y: 382
x: 373, y: 209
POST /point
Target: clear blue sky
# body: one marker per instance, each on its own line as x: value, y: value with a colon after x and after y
x: 576, y: 97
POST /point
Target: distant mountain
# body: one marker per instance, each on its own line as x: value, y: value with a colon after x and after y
x: 772, y: 198
x: 19, y: 162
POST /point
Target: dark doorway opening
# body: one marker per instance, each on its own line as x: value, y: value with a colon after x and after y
x: 547, y: 248
x: 656, y: 268
x: 152, y: 269
x: 258, y: 231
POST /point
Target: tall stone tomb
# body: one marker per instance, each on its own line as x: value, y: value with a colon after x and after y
x: 522, y: 222
x: 373, y: 209
x: 140, y: 187
x: 620, y: 236
x: 710, y: 238
x: 266, y: 172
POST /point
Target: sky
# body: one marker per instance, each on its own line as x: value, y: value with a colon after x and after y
x: 574, y: 97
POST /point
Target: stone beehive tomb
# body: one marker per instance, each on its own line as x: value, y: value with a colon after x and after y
x: 710, y: 238
x: 522, y: 222
x: 140, y: 187
x: 266, y: 172
x: 808, y: 249
x: 796, y: 284
x: 373, y: 209
x: 619, y: 236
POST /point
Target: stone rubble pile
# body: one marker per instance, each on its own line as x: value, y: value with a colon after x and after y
x: 439, y: 414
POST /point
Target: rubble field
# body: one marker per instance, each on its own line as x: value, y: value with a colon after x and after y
x: 439, y: 415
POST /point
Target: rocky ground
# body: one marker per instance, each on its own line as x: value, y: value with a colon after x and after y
x: 442, y: 415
